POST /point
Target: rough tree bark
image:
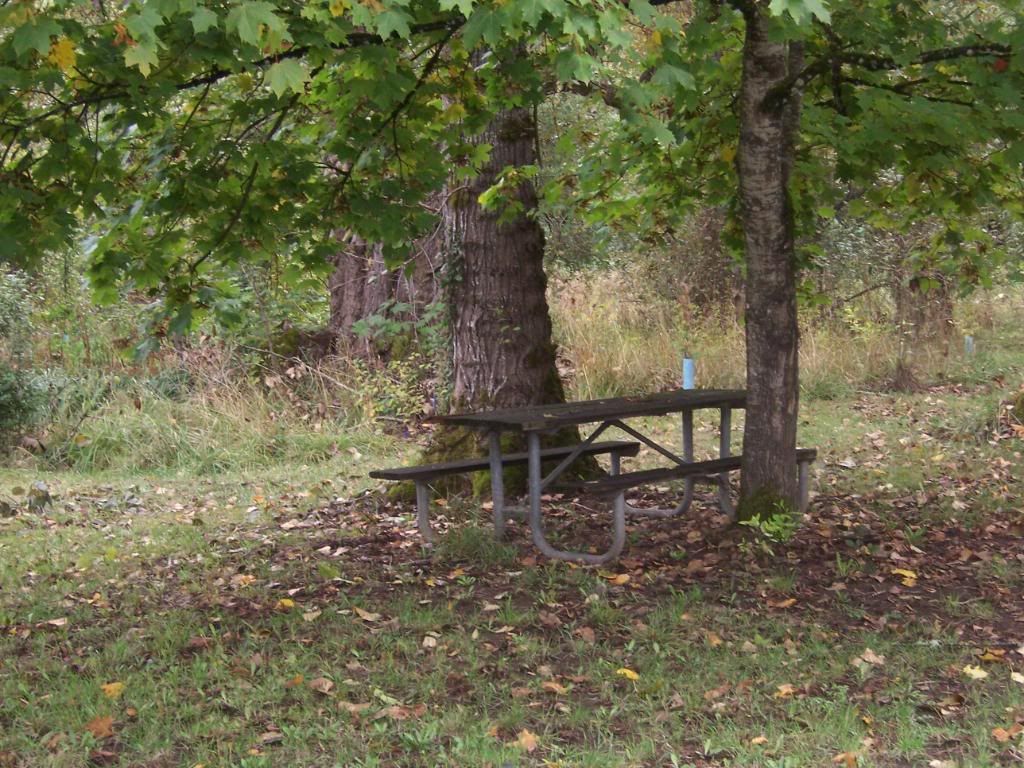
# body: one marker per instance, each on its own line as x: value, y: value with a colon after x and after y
x: 361, y: 285
x: 768, y: 128
x: 502, y: 353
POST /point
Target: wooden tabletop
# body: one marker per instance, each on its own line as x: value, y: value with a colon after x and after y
x: 545, y: 417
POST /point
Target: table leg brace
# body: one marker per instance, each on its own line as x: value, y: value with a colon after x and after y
x: 536, y: 522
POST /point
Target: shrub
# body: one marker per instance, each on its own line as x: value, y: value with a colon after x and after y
x: 20, y: 402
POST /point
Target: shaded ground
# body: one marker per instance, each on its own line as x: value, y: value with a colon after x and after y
x: 151, y: 628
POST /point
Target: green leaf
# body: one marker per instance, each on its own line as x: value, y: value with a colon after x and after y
x: 801, y: 10
x: 465, y: 6
x: 287, y: 75
x: 203, y: 19
x: 143, y: 56
x: 669, y: 74
x: 485, y: 24
x: 393, y: 21
x: 35, y: 36
x: 246, y: 18
x: 143, y: 24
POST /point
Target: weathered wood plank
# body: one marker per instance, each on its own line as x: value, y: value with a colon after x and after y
x: 428, y: 471
x: 556, y: 416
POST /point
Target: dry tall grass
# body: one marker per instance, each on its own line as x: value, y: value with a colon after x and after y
x: 618, y: 337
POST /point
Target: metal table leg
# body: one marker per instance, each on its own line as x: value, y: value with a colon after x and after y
x: 497, y: 483
x: 684, y: 505
x: 536, y: 523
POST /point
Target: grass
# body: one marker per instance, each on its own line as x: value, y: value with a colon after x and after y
x: 214, y: 553
x: 223, y: 622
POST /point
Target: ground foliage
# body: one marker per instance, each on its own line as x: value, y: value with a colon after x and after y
x: 166, y: 621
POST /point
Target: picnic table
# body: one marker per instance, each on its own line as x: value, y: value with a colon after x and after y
x: 535, y: 421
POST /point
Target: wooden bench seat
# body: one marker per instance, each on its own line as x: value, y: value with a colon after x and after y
x: 424, y: 473
x: 612, y: 485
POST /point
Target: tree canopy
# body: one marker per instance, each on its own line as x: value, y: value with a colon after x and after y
x: 171, y: 136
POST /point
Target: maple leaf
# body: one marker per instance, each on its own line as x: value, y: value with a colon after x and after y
x: 366, y: 615
x: 62, y: 54
x: 627, y: 673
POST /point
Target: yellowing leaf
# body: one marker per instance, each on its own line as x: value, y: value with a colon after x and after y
x: 759, y: 740
x: 618, y: 579
x: 714, y: 640
x: 784, y: 691
x: 62, y: 54
x: 366, y: 615
x: 627, y: 673
x: 728, y: 153
x: 975, y: 673
x: 285, y: 604
x: 113, y: 690
x: 527, y: 740
x: 849, y: 759
x: 909, y: 577
x: 789, y: 602
x: 337, y: 7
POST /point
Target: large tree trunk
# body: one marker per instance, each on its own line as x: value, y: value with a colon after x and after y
x: 768, y: 127
x: 502, y: 351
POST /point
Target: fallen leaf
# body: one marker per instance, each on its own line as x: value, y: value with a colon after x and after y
x: 366, y: 615
x: 527, y: 740
x: 1001, y: 735
x: 554, y: 687
x: 789, y: 602
x: 909, y: 578
x: 759, y: 740
x: 322, y: 685
x: 354, y: 709
x: 113, y: 690
x: 549, y: 619
x: 58, y: 622
x: 849, y: 759
x: 101, y: 727
x: 1017, y: 677
x: 400, y: 712
x: 285, y: 604
x: 429, y: 642
x: 311, y: 615
x: 618, y: 579
x: 975, y: 673
x: 587, y: 635
x: 785, y: 690
x: 295, y: 682
x: 271, y: 737
x: 716, y: 693
x: 713, y: 639
x: 627, y: 673
x: 991, y: 654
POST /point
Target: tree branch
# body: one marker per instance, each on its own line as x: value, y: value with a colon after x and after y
x: 876, y: 63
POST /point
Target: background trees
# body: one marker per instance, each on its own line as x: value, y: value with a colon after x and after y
x: 178, y: 141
